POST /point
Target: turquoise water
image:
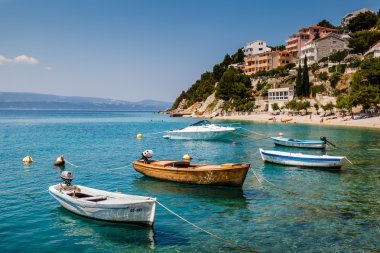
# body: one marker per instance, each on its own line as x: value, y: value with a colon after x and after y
x: 330, y: 212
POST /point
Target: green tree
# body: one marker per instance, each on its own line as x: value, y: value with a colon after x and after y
x: 299, y: 89
x: 334, y: 79
x: 316, y: 106
x: 325, y: 23
x: 329, y: 106
x: 235, y: 88
x: 362, y: 21
x: 305, y: 79
x: 227, y: 60
x: 338, y: 56
x: 361, y: 41
x: 275, y: 107
x: 238, y: 56
x: 218, y: 71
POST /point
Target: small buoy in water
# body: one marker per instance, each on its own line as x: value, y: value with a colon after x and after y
x: 139, y: 136
x: 234, y: 143
x: 60, y: 161
x: 280, y: 134
x: 187, y: 157
x: 27, y: 159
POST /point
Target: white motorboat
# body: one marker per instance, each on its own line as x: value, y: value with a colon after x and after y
x: 299, y: 159
x: 202, y: 130
x: 103, y: 205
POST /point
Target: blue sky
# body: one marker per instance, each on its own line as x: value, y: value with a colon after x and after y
x: 136, y: 50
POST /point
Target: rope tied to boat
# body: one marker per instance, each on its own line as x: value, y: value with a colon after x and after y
x: 261, y: 178
x: 253, y: 132
x: 205, y: 231
x: 74, y: 165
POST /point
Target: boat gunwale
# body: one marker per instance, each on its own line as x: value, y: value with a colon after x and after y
x: 194, y: 169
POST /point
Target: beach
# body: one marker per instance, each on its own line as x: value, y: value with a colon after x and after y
x: 373, y: 122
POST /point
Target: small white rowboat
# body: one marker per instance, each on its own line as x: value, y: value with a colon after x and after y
x: 299, y: 143
x: 104, y: 205
x: 298, y: 159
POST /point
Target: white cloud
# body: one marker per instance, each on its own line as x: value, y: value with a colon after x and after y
x: 4, y: 60
x: 25, y: 59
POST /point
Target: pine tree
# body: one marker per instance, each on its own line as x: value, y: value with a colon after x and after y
x: 299, y: 81
x: 305, y: 79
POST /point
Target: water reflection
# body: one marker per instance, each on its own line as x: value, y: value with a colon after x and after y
x: 158, y: 187
x: 87, y: 231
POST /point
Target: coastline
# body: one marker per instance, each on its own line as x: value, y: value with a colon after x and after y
x: 373, y: 122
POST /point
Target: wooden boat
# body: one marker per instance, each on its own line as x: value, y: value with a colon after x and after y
x: 103, y: 205
x: 60, y: 161
x: 299, y: 143
x: 229, y: 174
x: 286, y: 120
x: 299, y: 159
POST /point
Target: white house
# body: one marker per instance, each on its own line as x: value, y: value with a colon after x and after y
x: 374, y: 51
x: 314, y: 50
x: 256, y: 47
x: 346, y: 19
x: 279, y: 96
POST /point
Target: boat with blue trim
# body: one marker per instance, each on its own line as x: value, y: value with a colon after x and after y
x: 103, y: 205
x: 299, y: 143
x: 299, y: 159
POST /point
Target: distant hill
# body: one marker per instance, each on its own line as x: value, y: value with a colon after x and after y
x: 36, y: 101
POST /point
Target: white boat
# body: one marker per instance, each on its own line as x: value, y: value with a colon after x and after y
x: 103, y: 205
x: 299, y: 143
x: 299, y: 159
x: 202, y: 130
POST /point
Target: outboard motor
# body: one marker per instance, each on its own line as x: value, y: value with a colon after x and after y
x: 324, y: 139
x: 147, y: 154
x: 67, y: 177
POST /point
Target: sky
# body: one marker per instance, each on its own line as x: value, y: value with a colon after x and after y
x: 140, y: 49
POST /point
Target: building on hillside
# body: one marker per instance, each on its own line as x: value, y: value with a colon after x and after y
x: 240, y: 65
x: 266, y: 61
x: 314, y: 50
x: 374, y: 51
x: 280, y: 96
x: 255, y: 47
x: 298, y: 40
x: 346, y: 19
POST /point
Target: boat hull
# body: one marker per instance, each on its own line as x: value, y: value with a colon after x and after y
x: 299, y: 143
x: 135, y: 213
x: 215, y: 135
x: 226, y: 177
x: 319, y: 162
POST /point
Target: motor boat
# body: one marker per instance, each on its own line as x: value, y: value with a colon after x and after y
x: 202, y: 130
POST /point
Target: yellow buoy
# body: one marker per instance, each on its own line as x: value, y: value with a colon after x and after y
x: 280, y: 134
x: 139, y: 136
x: 187, y: 157
x: 27, y: 159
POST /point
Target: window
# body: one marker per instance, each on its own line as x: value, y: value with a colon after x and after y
x: 260, y: 48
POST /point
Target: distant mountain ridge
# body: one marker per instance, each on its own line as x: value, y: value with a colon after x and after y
x: 37, y: 101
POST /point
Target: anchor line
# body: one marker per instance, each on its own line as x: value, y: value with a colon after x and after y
x: 205, y: 231
x: 72, y: 164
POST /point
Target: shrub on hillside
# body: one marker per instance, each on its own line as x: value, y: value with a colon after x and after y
x: 334, y: 79
x: 361, y: 41
x: 362, y: 21
x: 317, y: 89
x: 323, y: 76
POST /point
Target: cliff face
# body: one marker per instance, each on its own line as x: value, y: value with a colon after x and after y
x: 211, y: 107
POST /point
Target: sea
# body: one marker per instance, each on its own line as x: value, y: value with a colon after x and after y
x: 278, y: 209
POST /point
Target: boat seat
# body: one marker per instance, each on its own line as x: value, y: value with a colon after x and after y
x: 172, y: 163
x: 95, y: 198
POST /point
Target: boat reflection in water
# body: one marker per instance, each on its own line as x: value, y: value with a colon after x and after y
x: 80, y: 230
x: 158, y: 187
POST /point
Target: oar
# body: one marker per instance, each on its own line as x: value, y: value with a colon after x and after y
x: 326, y: 141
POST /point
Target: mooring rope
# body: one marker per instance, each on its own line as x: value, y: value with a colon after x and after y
x: 205, y: 231
x: 122, y: 167
x: 259, y: 178
x: 72, y: 164
x: 253, y: 132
